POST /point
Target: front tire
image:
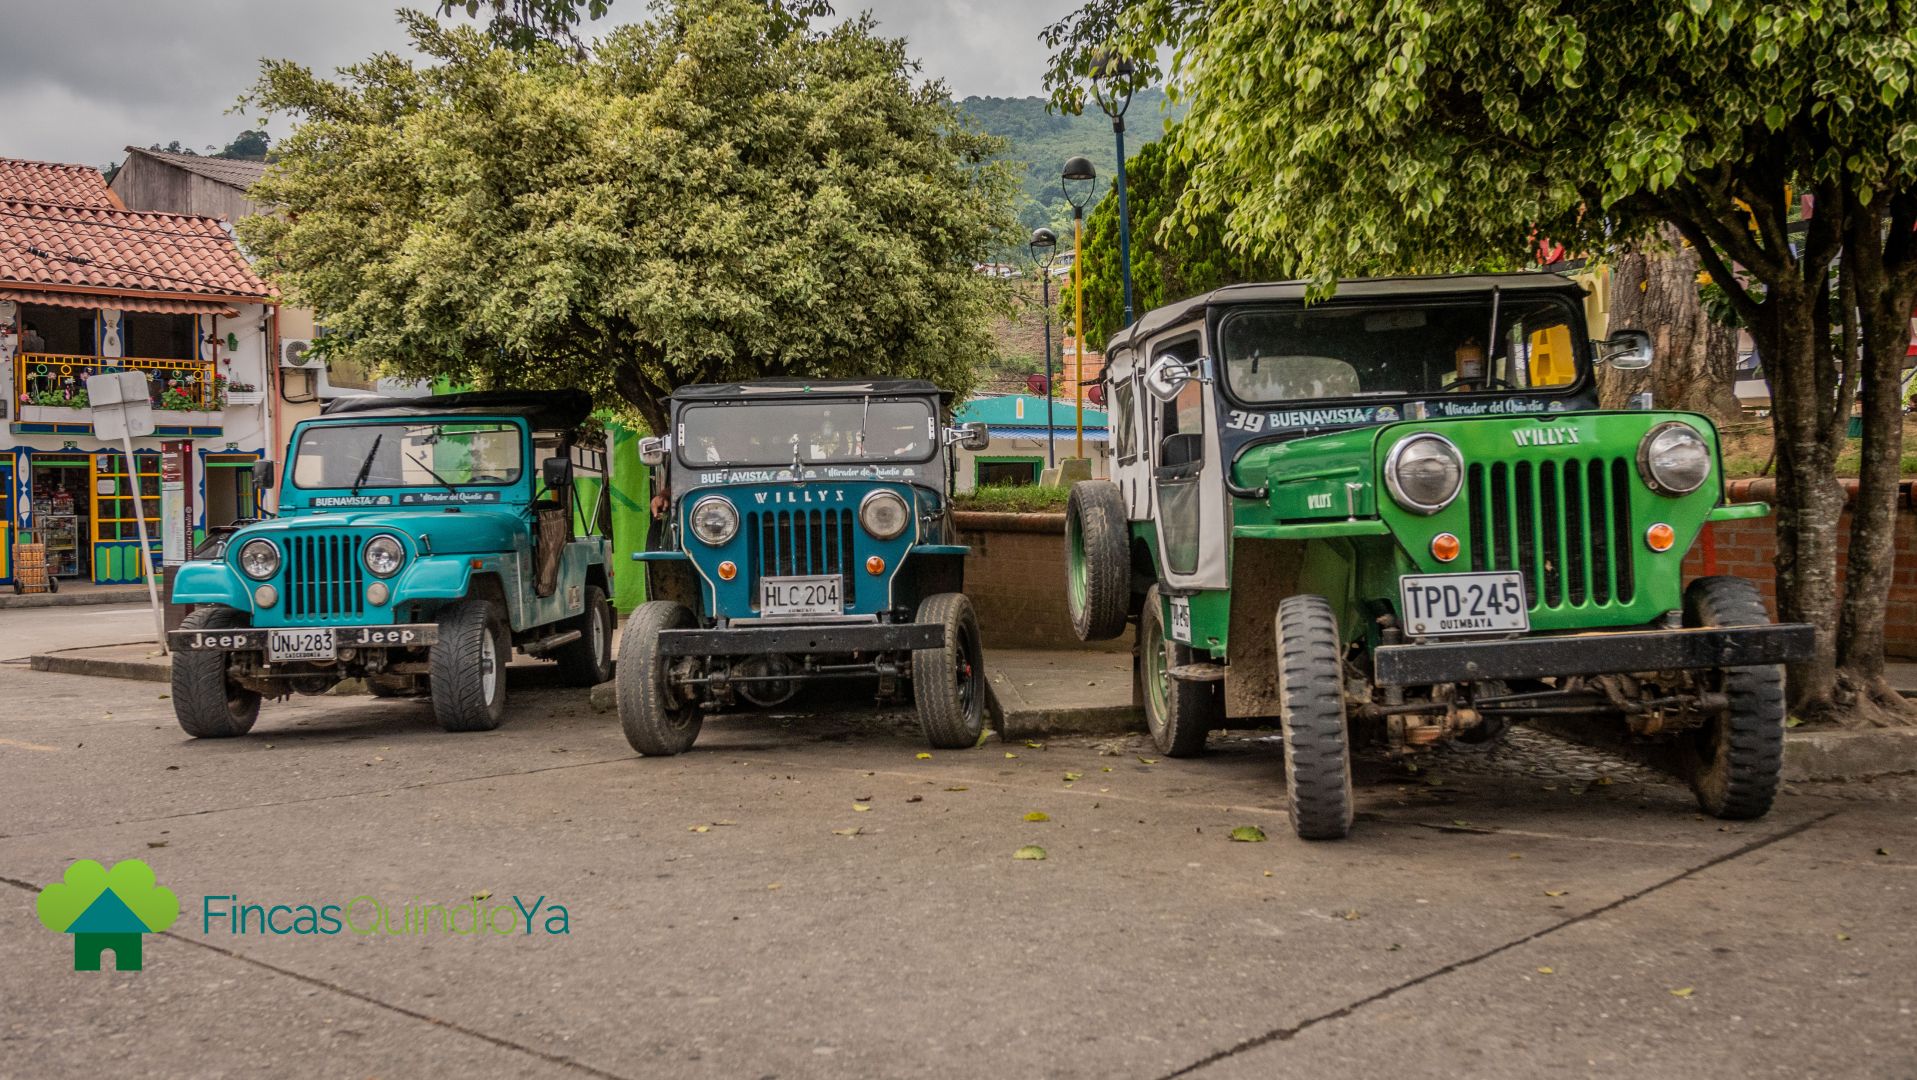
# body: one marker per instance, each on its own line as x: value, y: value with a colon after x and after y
x: 658, y: 722
x: 206, y: 701
x: 1098, y: 569
x: 469, y: 667
x: 1178, y: 712
x: 588, y: 661
x: 1311, y: 695
x: 1733, y: 760
x: 948, y: 683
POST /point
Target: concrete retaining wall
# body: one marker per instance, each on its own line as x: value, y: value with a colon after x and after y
x: 1015, y: 576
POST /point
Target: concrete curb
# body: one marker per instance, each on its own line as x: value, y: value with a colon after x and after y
x: 1849, y: 755
x: 91, y: 598
x: 1015, y: 718
x: 65, y: 663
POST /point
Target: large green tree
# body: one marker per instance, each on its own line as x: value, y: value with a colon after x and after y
x: 1342, y: 134
x: 1170, y: 260
x: 722, y: 192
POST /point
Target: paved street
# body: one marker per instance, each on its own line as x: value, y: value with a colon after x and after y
x: 733, y: 912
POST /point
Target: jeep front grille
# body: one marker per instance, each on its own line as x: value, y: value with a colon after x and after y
x: 784, y: 543
x: 324, y: 578
x: 1565, y: 524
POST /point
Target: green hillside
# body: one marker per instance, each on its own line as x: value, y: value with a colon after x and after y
x: 1040, y: 141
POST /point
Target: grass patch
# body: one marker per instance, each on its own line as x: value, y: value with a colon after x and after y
x: 1013, y: 499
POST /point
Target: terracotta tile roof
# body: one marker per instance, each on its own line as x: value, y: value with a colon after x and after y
x: 120, y: 250
x: 56, y: 184
x: 235, y: 174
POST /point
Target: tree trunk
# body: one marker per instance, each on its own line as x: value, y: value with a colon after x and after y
x: 1654, y: 289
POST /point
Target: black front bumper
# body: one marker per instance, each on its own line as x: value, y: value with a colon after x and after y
x: 1591, y: 654
x: 253, y: 639
x: 801, y: 640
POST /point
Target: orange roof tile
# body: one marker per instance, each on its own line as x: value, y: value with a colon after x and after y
x: 60, y: 185
x: 121, y: 250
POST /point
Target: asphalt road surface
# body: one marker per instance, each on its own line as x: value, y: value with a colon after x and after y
x: 805, y: 895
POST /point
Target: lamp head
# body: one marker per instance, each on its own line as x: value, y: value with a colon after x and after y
x: 1078, y: 180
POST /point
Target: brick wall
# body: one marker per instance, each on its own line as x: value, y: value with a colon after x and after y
x: 1015, y: 576
x: 1749, y: 548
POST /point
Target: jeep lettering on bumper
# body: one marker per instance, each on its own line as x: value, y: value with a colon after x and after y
x: 253, y: 639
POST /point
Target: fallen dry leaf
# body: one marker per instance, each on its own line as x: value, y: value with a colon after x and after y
x: 1009, y: 754
x: 1034, y: 745
x: 1038, y: 815
x: 1683, y: 992
x: 1149, y: 760
x: 853, y: 831
x: 1248, y: 834
x: 923, y: 756
x: 776, y: 885
x: 1555, y: 892
x: 860, y: 807
x: 961, y: 787
x: 1070, y: 776
x: 482, y: 894
x: 1029, y: 853
x: 1352, y: 915
x: 1547, y: 971
x: 1843, y: 937
x: 699, y: 828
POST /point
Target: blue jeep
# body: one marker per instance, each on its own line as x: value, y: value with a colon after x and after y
x: 809, y: 536
x: 415, y: 548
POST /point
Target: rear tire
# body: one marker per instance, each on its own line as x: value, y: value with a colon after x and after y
x: 469, y: 667
x: 656, y: 720
x: 1311, y: 695
x: 588, y: 661
x: 948, y: 683
x: 1178, y: 712
x: 1098, y: 567
x: 206, y: 701
x: 1733, y: 760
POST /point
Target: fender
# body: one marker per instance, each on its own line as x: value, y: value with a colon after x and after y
x: 435, y: 577
x: 208, y: 582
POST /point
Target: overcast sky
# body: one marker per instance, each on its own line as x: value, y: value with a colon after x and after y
x: 81, y: 79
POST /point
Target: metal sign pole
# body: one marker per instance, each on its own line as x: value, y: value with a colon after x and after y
x: 146, y: 549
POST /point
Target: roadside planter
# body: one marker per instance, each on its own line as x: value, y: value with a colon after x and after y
x: 1398, y: 514
x: 809, y: 537
x: 416, y: 547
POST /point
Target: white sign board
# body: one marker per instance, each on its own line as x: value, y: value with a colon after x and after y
x: 122, y: 406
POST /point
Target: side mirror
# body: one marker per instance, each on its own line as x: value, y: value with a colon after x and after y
x: 1626, y: 350
x: 969, y: 436
x: 263, y: 474
x: 652, y: 449
x: 1168, y: 376
x: 556, y: 472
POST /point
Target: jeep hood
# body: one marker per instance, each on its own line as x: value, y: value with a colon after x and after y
x: 462, y: 532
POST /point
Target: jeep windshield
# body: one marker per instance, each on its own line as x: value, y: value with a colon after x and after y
x: 812, y: 431
x: 408, y: 454
x: 1400, y: 349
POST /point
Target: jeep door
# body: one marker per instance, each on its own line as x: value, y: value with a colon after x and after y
x: 1187, y: 476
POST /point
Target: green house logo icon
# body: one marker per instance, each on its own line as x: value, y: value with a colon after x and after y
x: 107, y: 911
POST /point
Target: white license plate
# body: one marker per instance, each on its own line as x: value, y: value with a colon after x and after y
x: 1487, y: 603
x: 305, y: 643
x: 812, y: 595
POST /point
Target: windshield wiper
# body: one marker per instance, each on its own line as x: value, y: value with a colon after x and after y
x: 367, y: 465
x: 443, y: 482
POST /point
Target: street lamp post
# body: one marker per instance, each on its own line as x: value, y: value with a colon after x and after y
x: 1044, y: 247
x: 1078, y: 180
x: 1112, y: 66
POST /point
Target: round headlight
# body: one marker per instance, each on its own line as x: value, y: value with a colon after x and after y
x: 714, y: 520
x: 384, y: 555
x: 1674, y: 459
x: 1424, y: 473
x: 884, y: 514
x: 260, y: 559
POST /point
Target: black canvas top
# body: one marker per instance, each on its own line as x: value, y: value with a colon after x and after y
x: 790, y: 388
x: 545, y: 409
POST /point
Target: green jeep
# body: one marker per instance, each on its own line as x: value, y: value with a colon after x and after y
x: 1400, y: 512
x: 415, y: 548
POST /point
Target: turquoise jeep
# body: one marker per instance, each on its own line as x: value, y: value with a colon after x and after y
x: 415, y: 548
x: 809, y: 536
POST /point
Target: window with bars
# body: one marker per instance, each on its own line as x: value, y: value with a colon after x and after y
x: 114, y: 502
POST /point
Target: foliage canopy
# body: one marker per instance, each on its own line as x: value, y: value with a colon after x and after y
x: 722, y: 192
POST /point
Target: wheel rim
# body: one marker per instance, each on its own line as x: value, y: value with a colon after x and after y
x: 1075, y: 548
x: 489, y: 667
x: 1157, y: 671
x: 599, y: 653
x: 967, y: 676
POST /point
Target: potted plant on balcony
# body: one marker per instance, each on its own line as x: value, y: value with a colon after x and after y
x: 63, y: 404
x: 239, y: 393
x: 182, y: 395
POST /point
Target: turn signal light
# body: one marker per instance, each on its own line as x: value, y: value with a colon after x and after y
x: 875, y: 566
x: 1445, y: 547
x: 728, y: 570
x: 1660, y: 537
x: 377, y: 593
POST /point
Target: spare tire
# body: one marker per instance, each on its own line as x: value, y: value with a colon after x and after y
x: 1098, y: 570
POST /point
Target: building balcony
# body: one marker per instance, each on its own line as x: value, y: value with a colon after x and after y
x: 50, y: 391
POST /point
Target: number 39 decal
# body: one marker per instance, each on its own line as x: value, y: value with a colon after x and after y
x: 1240, y: 420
